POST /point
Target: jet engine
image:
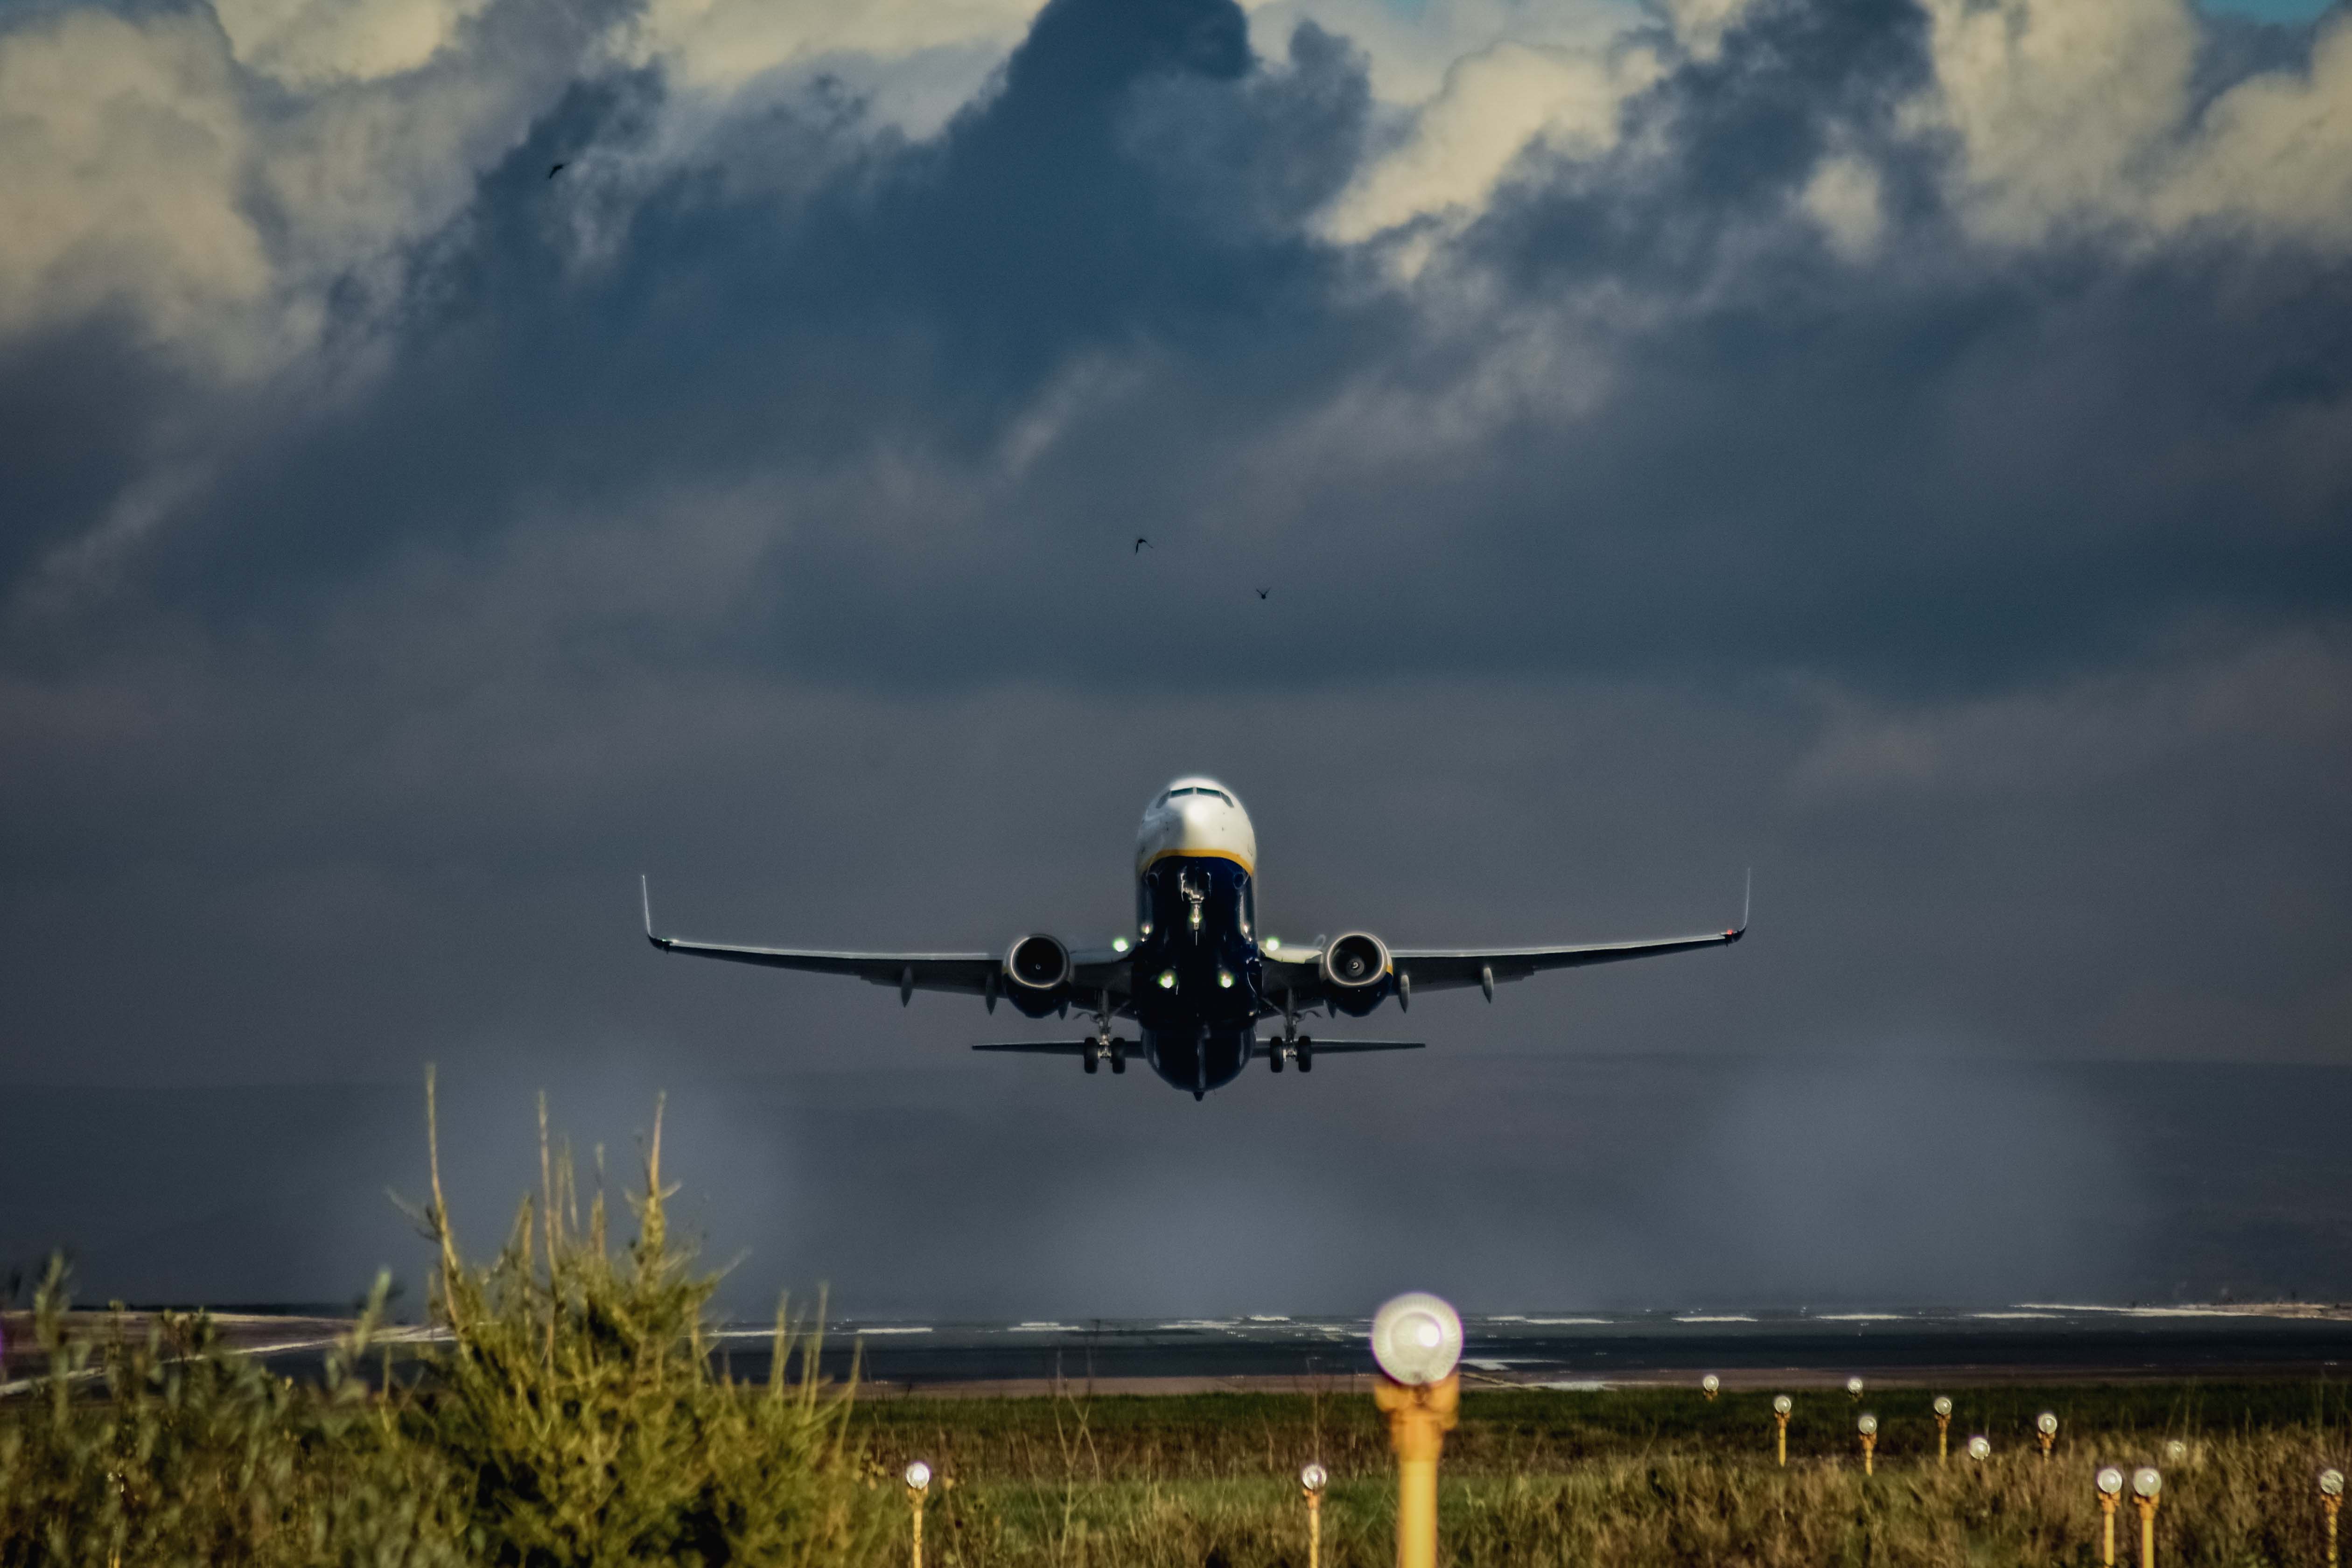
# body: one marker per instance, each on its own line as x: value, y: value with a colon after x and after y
x: 1037, y: 975
x: 1356, y: 973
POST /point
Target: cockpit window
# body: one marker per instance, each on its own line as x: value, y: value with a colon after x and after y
x: 1197, y: 789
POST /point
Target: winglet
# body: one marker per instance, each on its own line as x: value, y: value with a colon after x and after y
x: 646, y: 895
x: 1746, y: 899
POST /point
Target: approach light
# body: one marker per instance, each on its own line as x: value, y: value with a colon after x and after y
x: 1868, y: 1427
x: 1980, y: 1448
x: 1417, y: 1339
x: 1311, y: 1482
x: 919, y: 1477
x: 2110, y: 1482
x: 1853, y: 1388
x: 1710, y: 1385
x: 1943, y: 1428
x: 2331, y: 1500
x: 1120, y: 944
x: 1168, y: 980
x: 1781, y: 1405
x: 2145, y: 1482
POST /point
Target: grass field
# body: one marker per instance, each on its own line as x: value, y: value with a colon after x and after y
x: 575, y: 1417
x: 1634, y: 1477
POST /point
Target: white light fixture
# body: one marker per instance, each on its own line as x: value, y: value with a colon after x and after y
x: 1710, y: 1383
x: 918, y: 1476
x: 1314, y: 1479
x: 1942, y: 1405
x: 1867, y: 1426
x: 2145, y: 1482
x: 2046, y: 1423
x: 2111, y: 1480
x: 1980, y: 1448
x: 1853, y: 1386
x: 2176, y: 1452
x: 1417, y: 1339
x: 2331, y: 1483
x: 1782, y: 1404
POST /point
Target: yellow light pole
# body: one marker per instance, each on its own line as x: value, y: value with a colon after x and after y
x: 1311, y: 1482
x: 2331, y: 1498
x: 2110, y: 1482
x: 1943, y: 1428
x: 1710, y: 1385
x: 1868, y: 1427
x: 1417, y: 1340
x: 918, y: 1481
x: 2045, y: 1429
x: 1781, y: 1405
x: 2146, y: 1485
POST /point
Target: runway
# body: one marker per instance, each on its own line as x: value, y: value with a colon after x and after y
x: 2047, y: 1343
x: 1584, y: 1352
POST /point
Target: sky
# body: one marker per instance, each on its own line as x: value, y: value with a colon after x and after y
x: 1588, y: 450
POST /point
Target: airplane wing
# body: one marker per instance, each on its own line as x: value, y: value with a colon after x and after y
x: 1297, y: 972
x: 974, y: 973
x: 1441, y: 969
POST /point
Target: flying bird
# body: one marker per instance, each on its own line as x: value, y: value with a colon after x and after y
x: 554, y: 170
x: 1261, y: 593
x: 1141, y: 543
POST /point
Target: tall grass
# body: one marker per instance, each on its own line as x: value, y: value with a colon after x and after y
x: 573, y: 1416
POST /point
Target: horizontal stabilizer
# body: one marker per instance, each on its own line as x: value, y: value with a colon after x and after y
x: 1049, y: 1048
x: 1321, y: 1046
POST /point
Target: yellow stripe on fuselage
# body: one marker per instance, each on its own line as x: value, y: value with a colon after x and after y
x: 1248, y: 869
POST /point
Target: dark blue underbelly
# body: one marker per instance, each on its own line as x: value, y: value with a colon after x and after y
x: 1196, y: 971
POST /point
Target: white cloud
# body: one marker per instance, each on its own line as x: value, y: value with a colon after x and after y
x: 1842, y: 196
x: 1701, y: 23
x: 311, y: 41
x: 141, y: 170
x: 2072, y: 115
x: 716, y: 46
x: 121, y: 149
x: 1493, y: 107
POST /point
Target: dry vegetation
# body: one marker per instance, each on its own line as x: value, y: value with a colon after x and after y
x: 575, y: 1417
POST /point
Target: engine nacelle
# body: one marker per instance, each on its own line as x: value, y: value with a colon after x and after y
x: 1356, y: 973
x: 1037, y: 975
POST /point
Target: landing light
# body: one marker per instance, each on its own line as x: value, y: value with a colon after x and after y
x: 1273, y: 943
x: 1417, y: 1338
x: 1225, y: 978
x: 1168, y: 980
x: 1120, y: 944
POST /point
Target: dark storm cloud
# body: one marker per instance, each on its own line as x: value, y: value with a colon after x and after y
x: 760, y: 515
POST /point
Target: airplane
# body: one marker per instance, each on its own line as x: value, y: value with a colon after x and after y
x: 1197, y: 978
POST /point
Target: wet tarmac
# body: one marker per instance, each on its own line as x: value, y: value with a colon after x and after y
x: 2027, y: 1343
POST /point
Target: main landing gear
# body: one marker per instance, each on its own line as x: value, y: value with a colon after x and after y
x: 1102, y: 1046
